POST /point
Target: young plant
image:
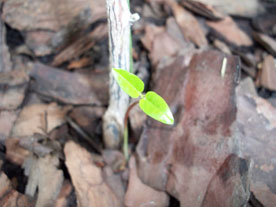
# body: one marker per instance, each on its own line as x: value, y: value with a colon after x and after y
x: 151, y: 103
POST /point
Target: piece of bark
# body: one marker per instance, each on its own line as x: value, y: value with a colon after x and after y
x: 81, y: 45
x: 43, y: 175
x: 222, y: 46
x: 266, y: 41
x: 229, y: 30
x: 10, y: 197
x: 40, y: 20
x: 256, y: 129
x: 184, y: 158
x: 137, y: 119
x: 245, y: 8
x: 5, y: 62
x: 7, y: 119
x: 150, y: 32
x: 185, y: 19
x: 13, y: 85
x: 32, y: 118
x: 247, y: 86
x: 66, y: 196
x: 71, y: 88
x: 202, y: 9
x: 114, y: 182
x: 139, y: 194
x: 89, y: 119
x: 268, y: 76
x: 265, y: 23
x: 14, y: 152
x: 114, y: 159
x: 232, y: 173
x: 47, y: 15
x: 91, y: 189
x: 80, y: 63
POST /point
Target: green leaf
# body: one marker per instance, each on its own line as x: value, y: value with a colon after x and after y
x: 130, y: 83
x: 156, y: 107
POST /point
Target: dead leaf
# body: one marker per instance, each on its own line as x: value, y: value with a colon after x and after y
x: 91, y: 189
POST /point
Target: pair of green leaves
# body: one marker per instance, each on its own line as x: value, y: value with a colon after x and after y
x: 152, y: 104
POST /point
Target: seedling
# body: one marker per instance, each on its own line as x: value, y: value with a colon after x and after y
x: 151, y: 103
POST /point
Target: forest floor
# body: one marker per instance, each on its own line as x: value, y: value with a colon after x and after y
x: 54, y: 79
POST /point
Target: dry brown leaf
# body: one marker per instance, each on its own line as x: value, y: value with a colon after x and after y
x: 31, y: 119
x: 90, y: 187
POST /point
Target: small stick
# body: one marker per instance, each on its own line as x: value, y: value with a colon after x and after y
x: 223, y: 67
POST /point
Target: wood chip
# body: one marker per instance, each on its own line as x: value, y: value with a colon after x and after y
x: 91, y: 189
x: 10, y: 197
x: 189, y: 25
x: 245, y: 8
x: 202, y: 9
x: 7, y: 119
x: 31, y: 119
x: 268, y: 76
x: 139, y: 194
x: 229, y: 30
x: 266, y: 41
x: 43, y: 174
x: 90, y: 87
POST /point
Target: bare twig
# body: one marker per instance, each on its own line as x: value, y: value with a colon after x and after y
x: 119, y: 22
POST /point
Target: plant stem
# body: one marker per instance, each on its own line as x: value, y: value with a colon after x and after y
x: 125, y: 144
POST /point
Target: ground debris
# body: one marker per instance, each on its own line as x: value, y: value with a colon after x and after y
x: 91, y: 188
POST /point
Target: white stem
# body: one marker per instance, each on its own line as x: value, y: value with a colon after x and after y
x: 119, y: 22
